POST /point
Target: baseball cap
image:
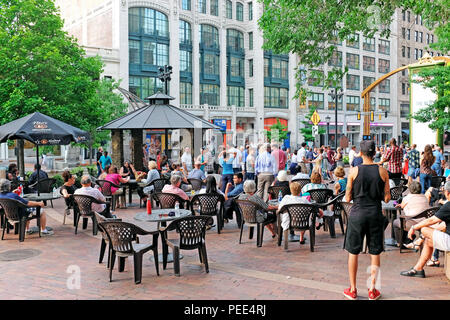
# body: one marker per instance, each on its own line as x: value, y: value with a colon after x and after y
x: 367, y: 146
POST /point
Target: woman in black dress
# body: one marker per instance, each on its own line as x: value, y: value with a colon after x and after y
x: 367, y: 186
x: 68, y: 189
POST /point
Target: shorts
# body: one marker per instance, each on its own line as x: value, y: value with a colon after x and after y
x: 331, y: 167
x: 413, y: 172
x: 366, y: 222
x: 441, y: 240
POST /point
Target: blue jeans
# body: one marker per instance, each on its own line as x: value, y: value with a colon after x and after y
x: 225, y: 179
x: 425, y: 181
x: 99, y: 170
x: 249, y: 176
x: 437, y: 168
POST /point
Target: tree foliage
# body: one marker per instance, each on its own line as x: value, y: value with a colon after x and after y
x: 309, y: 27
x: 277, y: 132
x: 44, y: 69
x: 306, y: 131
x: 437, y: 114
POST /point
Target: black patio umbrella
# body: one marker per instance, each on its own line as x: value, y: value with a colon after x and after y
x: 41, y: 130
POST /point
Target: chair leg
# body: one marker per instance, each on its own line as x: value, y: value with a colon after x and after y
x: 312, y: 236
x: 39, y: 226
x: 200, y: 254
x: 102, y: 251
x: 64, y: 219
x: 137, y: 267
x: 155, y: 255
x: 331, y: 222
x: 165, y: 253
x: 205, y: 258
x: 122, y: 264
x: 240, y: 237
x: 22, y: 230
x: 286, y: 239
x: 176, y: 260
x: 77, y: 222
x: 51, y: 201
x: 16, y: 228
x: 111, y: 264
x: 94, y: 226
x: 341, y: 222
x: 5, y: 226
x: 258, y: 235
x: 218, y: 223
x: 85, y: 223
x: 250, y: 234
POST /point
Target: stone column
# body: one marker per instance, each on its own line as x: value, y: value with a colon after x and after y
x: 117, y: 147
x: 137, y: 140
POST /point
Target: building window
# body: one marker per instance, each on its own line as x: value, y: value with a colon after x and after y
x: 367, y: 81
x: 368, y: 64
x: 134, y: 51
x: 315, y: 78
x: 250, y: 41
x: 186, y: 4
x: 148, y: 22
x: 210, y: 63
x: 250, y: 97
x: 384, y: 46
x: 250, y: 11
x: 403, y: 15
x: 369, y: 44
x: 403, y: 51
x: 428, y: 38
x: 353, y: 41
x: 352, y: 103
x: 421, y: 37
x: 409, y: 16
x: 236, y: 67
x: 404, y: 110
x: 185, y: 61
x: 214, y: 7
x: 336, y: 59
x: 209, y: 94
x: 432, y: 38
x: 266, y: 68
x: 250, y: 68
x: 335, y: 38
x: 372, y: 103
x: 408, y: 34
x: 385, y: 86
x: 332, y: 102
x: 403, y: 88
x: 352, y: 61
x: 384, y: 104
x: 408, y: 51
x: 235, y: 96
x: 239, y: 11
x: 235, y: 40
x: 383, y: 66
x: 209, y: 36
x: 416, y: 36
x: 279, y: 68
x: 275, y: 97
x: 420, y: 53
x: 144, y: 87
x: 404, y: 33
x: 202, y: 6
x: 229, y: 9
x: 353, y: 82
x: 185, y: 93
x: 416, y: 53
x: 316, y: 100
x: 185, y: 33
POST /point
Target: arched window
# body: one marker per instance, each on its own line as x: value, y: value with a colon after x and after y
x: 148, y: 36
x: 235, y: 40
x: 239, y: 11
x: 209, y: 37
x: 185, y: 33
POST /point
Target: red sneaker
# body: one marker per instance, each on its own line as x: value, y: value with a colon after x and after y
x: 374, y: 294
x: 350, y: 295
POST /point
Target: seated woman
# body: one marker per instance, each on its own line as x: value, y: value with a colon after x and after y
x: 250, y: 189
x: 127, y: 170
x: 294, y: 197
x: 341, y: 184
x: 412, y: 204
x: 152, y: 174
x: 211, y: 186
x: 316, y: 183
x: 68, y: 189
x: 114, y: 177
x: 281, y: 179
x: 301, y: 175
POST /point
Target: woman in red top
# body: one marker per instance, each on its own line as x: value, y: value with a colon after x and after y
x: 116, y: 178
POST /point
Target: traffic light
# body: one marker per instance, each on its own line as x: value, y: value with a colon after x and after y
x: 359, y: 116
x: 385, y: 114
x: 371, y: 116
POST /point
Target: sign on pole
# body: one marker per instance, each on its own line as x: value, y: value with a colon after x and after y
x: 315, y: 130
x: 315, y: 118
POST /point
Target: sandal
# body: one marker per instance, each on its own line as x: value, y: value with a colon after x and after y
x: 413, y: 273
x: 433, y: 263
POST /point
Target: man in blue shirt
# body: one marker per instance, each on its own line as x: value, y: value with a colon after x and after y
x: 439, y: 162
x: 197, y: 173
x: 105, y: 160
x: 230, y: 193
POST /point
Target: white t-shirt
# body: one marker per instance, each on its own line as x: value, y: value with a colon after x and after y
x: 351, y: 156
x: 186, y: 158
x: 300, y: 155
x: 294, y: 158
x: 289, y: 199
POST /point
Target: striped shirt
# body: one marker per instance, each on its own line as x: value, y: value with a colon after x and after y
x: 265, y: 163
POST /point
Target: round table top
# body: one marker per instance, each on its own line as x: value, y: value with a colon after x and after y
x: 155, y: 216
x: 389, y: 206
x: 41, y: 197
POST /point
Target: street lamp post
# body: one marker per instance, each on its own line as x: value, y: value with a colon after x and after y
x: 327, y: 119
x: 164, y: 76
x: 335, y: 95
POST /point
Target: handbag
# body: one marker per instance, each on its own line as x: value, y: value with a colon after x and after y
x: 261, y: 216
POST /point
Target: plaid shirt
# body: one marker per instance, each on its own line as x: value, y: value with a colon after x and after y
x: 414, y: 159
x: 395, y: 157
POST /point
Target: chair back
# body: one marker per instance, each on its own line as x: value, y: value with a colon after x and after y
x: 274, y: 190
x: 302, y: 182
x: 396, y: 192
x: 400, y: 182
x: 168, y: 200
x: 100, y: 219
x: 121, y: 234
x: 12, y: 208
x: 320, y: 195
x: 106, y: 187
x: 195, y: 183
x: 45, y: 185
x: 158, y: 184
x: 346, y: 207
x: 191, y: 229
x: 428, y: 213
x: 437, y: 181
x: 248, y: 210
x: 207, y: 203
x: 84, y: 204
x: 299, y: 215
x: 337, y: 201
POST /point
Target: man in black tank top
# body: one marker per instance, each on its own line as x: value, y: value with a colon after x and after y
x: 367, y: 186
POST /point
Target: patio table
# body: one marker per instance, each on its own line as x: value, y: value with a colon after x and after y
x: 132, y: 183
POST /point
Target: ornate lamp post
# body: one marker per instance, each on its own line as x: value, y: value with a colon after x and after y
x: 164, y: 76
x: 335, y: 94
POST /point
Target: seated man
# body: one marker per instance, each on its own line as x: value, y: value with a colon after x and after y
x: 174, y: 187
x: 197, y: 173
x: 87, y: 190
x: 432, y: 238
x: 33, y: 177
x: 301, y: 175
x: 177, y: 170
x: 231, y: 192
x: 5, y: 193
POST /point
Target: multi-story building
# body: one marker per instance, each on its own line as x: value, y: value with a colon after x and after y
x: 414, y: 41
x: 220, y: 70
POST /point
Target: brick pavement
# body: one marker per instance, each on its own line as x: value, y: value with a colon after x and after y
x: 236, y: 271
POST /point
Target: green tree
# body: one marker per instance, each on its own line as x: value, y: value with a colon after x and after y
x: 311, y: 28
x: 45, y: 70
x: 277, y: 132
x: 306, y: 131
x: 437, y: 114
